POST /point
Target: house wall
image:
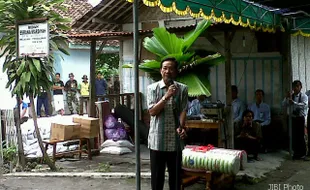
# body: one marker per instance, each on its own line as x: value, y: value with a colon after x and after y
x: 250, y: 70
x: 77, y: 63
x: 300, y: 55
x: 6, y: 101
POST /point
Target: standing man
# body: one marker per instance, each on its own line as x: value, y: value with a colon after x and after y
x: 84, y: 91
x: 100, y: 85
x: 299, y: 104
x: 42, y: 99
x: 58, y: 87
x: 71, y: 89
x: 237, y: 105
x: 167, y: 105
x: 262, y: 115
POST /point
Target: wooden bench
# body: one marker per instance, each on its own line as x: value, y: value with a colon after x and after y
x: 213, y: 179
x: 79, y: 151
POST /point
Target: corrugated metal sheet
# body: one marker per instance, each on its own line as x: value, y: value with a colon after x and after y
x: 300, y: 52
x: 248, y: 73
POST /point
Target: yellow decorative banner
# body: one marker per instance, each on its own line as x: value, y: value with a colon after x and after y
x: 209, y: 16
x: 300, y: 32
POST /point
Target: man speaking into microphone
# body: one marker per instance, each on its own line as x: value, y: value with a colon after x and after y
x: 167, y: 105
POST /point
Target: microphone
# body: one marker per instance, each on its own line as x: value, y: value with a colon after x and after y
x: 170, y: 81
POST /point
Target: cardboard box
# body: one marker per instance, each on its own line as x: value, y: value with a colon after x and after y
x: 77, y: 119
x: 89, y: 126
x: 89, y: 131
x: 62, y: 132
x: 86, y: 120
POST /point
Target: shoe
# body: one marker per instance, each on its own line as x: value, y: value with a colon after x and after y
x: 304, y: 158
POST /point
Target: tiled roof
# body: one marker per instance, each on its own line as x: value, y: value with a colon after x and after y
x: 76, y: 9
x: 109, y: 43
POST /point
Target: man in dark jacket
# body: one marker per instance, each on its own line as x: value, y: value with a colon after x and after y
x: 101, y: 86
x: 42, y: 100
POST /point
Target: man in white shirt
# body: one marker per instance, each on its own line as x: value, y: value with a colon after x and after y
x: 299, y: 105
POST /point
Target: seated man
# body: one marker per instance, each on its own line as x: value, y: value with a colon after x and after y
x: 237, y: 105
x: 248, y: 135
x: 261, y: 112
x: 194, y: 106
x: 198, y: 136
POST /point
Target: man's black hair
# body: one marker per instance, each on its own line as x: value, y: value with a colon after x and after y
x: 246, y: 112
x: 234, y: 88
x: 260, y: 90
x: 172, y: 59
x: 296, y: 82
x: 57, y: 74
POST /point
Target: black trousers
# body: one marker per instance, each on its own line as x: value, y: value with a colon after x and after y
x: 298, y: 136
x: 268, y: 136
x: 159, y: 161
x: 44, y: 102
x: 250, y: 146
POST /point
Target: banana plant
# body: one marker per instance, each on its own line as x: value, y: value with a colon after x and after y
x: 27, y: 75
x: 194, y: 66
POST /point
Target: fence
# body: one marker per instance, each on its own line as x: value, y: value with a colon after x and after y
x: 8, y: 128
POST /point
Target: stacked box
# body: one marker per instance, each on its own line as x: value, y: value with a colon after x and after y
x: 77, y: 119
x: 63, y: 132
x: 89, y: 126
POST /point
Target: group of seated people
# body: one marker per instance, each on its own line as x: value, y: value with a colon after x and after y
x: 251, y: 123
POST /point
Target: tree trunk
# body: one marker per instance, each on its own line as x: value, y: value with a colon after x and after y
x: 21, y: 161
x: 35, y: 122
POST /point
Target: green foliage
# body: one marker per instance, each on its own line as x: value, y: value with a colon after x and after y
x: 108, y: 64
x: 194, y: 65
x: 26, y: 75
x: 9, y: 154
x: 104, y: 167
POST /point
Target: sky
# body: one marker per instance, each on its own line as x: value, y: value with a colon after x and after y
x: 94, y: 2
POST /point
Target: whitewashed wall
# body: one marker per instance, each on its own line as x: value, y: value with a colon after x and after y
x: 6, y: 101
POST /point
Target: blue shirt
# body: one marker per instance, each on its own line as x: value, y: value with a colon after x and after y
x: 101, y: 87
x: 261, y: 113
x: 238, y: 109
x: 23, y: 105
x: 194, y: 108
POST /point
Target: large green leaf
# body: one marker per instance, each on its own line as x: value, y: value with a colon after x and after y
x: 163, y: 43
x: 37, y: 64
x: 195, y: 86
x: 192, y: 36
x: 21, y: 67
x: 152, y: 64
x: 33, y: 69
x: 181, y: 58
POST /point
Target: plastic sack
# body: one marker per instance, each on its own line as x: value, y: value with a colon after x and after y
x: 110, y: 122
x: 116, y: 134
x: 122, y: 134
x: 110, y: 133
